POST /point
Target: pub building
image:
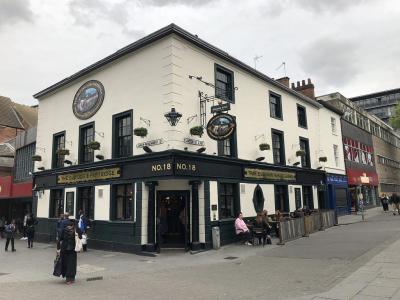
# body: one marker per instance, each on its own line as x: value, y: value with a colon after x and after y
x: 169, y: 137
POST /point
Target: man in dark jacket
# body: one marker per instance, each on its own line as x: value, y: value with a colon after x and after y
x: 10, y: 232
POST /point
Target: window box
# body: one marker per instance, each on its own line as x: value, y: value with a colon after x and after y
x: 140, y: 131
x: 264, y: 146
x: 323, y: 159
x: 36, y: 158
x: 300, y: 153
x: 63, y: 152
x: 197, y: 130
x: 94, y: 145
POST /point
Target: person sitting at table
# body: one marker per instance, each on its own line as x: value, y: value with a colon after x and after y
x: 242, y: 230
x: 267, y: 226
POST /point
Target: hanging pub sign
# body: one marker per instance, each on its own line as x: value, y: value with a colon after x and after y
x: 221, y: 127
x: 88, y: 99
x: 220, y: 108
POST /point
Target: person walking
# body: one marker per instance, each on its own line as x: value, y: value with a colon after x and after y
x: 30, y: 229
x: 385, y: 203
x: 2, y: 226
x: 25, y: 227
x: 83, y: 225
x: 10, y: 232
x: 69, y: 237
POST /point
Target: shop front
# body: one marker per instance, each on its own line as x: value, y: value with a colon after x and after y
x: 362, y: 183
x: 171, y: 198
x: 337, y: 193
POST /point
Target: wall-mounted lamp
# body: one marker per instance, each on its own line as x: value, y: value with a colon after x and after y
x: 201, y: 150
x: 100, y: 157
x: 147, y: 149
x: 296, y: 163
x: 68, y: 162
x: 261, y: 158
x: 319, y: 168
x: 41, y: 168
x: 173, y: 117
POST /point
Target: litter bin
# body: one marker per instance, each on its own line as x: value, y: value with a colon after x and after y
x: 216, y: 238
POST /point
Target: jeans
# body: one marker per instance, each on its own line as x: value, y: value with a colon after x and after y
x: 8, y: 242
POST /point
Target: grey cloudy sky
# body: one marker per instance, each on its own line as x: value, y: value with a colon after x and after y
x: 348, y: 46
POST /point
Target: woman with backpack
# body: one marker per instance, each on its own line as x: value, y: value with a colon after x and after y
x: 70, y: 244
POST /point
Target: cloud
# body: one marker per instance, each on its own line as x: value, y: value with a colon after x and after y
x: 13, y: 11
x: 333, y: 62
x: 321, y: 6
x: 176, y: 2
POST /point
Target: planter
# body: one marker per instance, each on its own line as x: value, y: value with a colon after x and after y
x: 100, y: 157
x: 197, y: 130
x: 94, y: 145
x: 141, y: 131
x: 36, y: 158
x: 62, y: 152
x: 323, y: 159
x: 264, y: 146
x: 300, y: 153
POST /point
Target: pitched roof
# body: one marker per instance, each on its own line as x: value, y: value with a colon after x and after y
x: 155, y: 36
x: 16, y: 115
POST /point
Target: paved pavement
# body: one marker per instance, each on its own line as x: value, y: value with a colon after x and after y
x: 357, y: 260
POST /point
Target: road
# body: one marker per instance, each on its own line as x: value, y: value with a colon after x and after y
x: 302, y: 268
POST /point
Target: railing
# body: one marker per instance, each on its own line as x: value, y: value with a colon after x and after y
x: 294, y: 228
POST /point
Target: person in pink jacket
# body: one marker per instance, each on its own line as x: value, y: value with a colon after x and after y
x: 242, y: 230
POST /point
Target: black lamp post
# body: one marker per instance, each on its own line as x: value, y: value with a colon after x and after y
x: 173, y: 117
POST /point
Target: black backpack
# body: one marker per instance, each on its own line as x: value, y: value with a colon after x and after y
x: 69, y: 233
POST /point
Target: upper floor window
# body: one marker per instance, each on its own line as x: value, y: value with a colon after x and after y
x: 336, y: 154
x: 333, y: 125
x: 224, y: 86
x: 301, y: 116
x: 275, y: 106
x: 86, y: 154
x: 228, y: 147
x: 305, y: 159
x: 278, y: 147
x: 58, y: 143
x: 23, y: 162
x: 122, y: 134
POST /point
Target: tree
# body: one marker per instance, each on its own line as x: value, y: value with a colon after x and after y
x: 395, y: 119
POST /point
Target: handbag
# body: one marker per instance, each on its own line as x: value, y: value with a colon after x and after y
x: 57, y: 265
x: 78, y: 243
x: 84, y: 239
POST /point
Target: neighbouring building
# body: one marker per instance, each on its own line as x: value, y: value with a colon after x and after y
x: 371, y: 150
x: 123, y: 141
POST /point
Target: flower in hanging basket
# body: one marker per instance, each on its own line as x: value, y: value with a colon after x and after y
x: 197, y: 130
x: 62, y: 152
x: 94, y: 145
x: 141, y: 131
x: 100, y: 157
x: 300, y: 153
x: 323, y: 159
x: 264, y: 146
x: 36, y: 157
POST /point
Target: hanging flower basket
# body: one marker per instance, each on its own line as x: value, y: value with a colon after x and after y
x: 141, y: 131
x: 197, y: 130
x: 94, y: 145
x: 264, y: 146
x: 36, y: 158
x: 323, y: 159
x: 300, y: 153
x: 63, y: 152
x: 100, y: 157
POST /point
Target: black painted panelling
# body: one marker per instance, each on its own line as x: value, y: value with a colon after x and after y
x: 138, y: 228
x: 207, y: 218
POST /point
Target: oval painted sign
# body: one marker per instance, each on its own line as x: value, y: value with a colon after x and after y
x: 88, y: 99
x: 221, y: 127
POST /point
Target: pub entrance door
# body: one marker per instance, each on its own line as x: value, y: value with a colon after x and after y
x: 173, y: 217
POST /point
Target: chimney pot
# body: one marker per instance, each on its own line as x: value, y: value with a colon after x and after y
x: 293, y: 86
x: 298, y: 83
x: 309, y: 81
x: 303, y: 82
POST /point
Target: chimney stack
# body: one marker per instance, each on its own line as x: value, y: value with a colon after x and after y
x: 284, y: 81
x: 305, y: 89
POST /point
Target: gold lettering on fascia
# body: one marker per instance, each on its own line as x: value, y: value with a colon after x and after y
x: 89, y: 176
x: 161, y: 167
x: 269, y: 174
x: 186, y: 167
x: 178, y: 166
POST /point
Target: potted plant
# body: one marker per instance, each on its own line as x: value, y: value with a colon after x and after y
x: 140, y: 131
x: 62, y: 152
x: 94, y: 145
x: 300, y: 153
x: 264, y: 146
x: 36, y: 157
x: 197, y: 130
x: 323, y: 159
x: 100, y: 157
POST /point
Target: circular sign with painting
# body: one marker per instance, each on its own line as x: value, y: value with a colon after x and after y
x: 221, y: 127
x: 88, y: 99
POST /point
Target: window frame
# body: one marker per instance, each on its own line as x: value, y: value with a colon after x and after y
x: 299, y: 106
x: 271, y: 93
x: 286, y: 202
x: 81, y: 147
x: 307, y: 156
x: 336, y: 155
x: 59, y: 200
x: 221, y: 69
x: 114, y: 202
x: 306, y: 199
x: 79, y: 203
x: 283, y: 149
x: 233, y: 146
x: 54, y: 156
x: 235, y: 199
x: 115, y: 136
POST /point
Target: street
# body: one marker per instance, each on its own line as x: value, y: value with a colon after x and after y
x: 302, y: 268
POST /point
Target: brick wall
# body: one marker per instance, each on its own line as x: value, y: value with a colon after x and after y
x: 7, y: 133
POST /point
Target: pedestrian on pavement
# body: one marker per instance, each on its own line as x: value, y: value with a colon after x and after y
x: 24, y: 227
x: 83, y: 225
x: 385, y: 202
x: 2, y: 226
x: 68, y: 242
x: 395, y: 201
x: 10, y: 232
x: 30, y: 229
x: 59, y: 229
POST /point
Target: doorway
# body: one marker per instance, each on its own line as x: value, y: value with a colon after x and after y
x: 173, y: 219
